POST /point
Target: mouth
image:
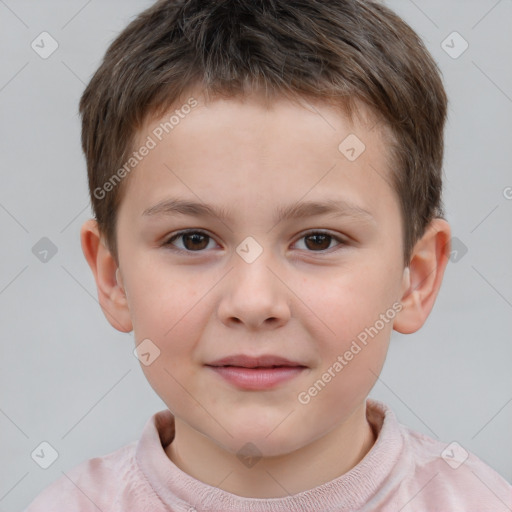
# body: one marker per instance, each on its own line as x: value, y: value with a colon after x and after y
x: 263, y: 361
x: 256, y: 373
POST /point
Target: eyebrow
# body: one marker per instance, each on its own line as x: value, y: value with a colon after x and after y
x: 336, y: 207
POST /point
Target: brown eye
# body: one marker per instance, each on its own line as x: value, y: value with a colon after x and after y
x: 317, y: 241
x: 192, y: 241
x: 321, y: 242
x: 195, y: 241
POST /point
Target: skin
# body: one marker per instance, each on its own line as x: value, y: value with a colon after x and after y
x: 296, y: 300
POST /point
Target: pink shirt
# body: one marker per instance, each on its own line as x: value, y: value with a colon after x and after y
x: 403, y: 471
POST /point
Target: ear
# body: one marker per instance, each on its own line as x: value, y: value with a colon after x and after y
x: 423, y: 278
x: 111, y: 295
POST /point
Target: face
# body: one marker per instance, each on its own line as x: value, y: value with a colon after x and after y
x: 320, y: 289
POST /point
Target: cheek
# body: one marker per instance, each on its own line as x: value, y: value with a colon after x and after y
x: 342, y: 304
x: 174, y: 321
x: 165, y: 300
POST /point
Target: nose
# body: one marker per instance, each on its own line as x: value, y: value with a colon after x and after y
x: 254, y: 296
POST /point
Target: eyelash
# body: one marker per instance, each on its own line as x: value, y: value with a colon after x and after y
x: 179, y: 234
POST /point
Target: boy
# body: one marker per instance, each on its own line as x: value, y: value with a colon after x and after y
x: 266, y: 183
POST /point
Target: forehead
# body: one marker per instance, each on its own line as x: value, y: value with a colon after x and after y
x: 231, y: 151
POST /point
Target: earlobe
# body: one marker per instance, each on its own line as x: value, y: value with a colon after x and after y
x: 111, y: 293
x: 422, y: 280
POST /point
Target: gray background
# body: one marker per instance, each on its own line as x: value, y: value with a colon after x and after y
x: 68, y: 378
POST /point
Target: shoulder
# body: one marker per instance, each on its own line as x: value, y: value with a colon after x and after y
x: 446, y: 476
x: 97, y: 483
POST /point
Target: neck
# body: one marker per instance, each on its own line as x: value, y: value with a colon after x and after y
x: 321, y: 461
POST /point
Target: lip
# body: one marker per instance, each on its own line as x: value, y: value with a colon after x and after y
x: 257, y: 378
x: 244, y: 361
x: 256, y: 373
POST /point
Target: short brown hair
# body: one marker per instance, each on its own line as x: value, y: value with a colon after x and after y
x: 340, y: 51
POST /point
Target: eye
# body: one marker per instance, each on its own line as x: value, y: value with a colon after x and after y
x: 319, y: 241
x: 193, y: 241
x: 198, y: 241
